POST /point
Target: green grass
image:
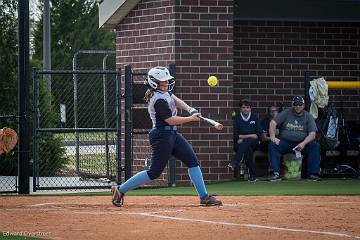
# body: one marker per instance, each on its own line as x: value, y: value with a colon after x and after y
x: 93, y: 163
x: 326, y: 187
x: 264, y: 188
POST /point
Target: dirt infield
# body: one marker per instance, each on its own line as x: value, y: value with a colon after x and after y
x: 284, y: 217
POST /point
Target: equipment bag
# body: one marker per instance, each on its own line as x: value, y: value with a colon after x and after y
x: 328, y: 129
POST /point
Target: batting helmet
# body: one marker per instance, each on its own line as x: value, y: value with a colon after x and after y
x: 160, y: 74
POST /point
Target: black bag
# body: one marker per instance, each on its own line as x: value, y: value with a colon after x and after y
x: 328, y: 129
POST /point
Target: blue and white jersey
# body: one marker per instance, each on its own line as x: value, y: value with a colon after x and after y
x: 158, y: 110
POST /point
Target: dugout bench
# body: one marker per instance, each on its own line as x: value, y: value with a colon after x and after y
x: 331, y: 168
x: 261, y: 167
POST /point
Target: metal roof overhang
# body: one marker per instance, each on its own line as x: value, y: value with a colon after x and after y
x: 112, y: 12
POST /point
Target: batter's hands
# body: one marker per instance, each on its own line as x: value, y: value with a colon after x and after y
x: 192, y: 111
x: 195, y: 117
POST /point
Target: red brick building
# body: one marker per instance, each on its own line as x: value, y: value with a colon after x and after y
x: 258, y: 50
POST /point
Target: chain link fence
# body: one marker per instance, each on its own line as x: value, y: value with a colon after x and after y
x: 94, y: 60
x: 78, y: 132
x: 75, y: 129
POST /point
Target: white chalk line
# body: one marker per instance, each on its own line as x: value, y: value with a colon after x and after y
x: 46, y: 204
x: 71, y: 210
x: 226, y: 205
x: 155, y: 214
x: 251, y: 226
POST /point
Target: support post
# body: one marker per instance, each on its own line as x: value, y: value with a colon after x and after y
x: 118, y: 127
x: 23, y: 73
x: 128, y: 121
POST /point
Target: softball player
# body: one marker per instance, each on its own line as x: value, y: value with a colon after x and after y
x: 164, y: 138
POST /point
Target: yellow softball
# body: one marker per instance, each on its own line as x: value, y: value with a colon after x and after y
x: 212, y: 81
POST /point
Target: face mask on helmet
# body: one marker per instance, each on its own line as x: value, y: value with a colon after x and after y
x: 160, y: 74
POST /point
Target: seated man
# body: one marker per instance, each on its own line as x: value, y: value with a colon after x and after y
x: 297, y: 132
x: 247, y: 131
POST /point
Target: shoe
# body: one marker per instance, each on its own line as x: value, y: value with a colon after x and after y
x: 314, y: 177
x: 210, y: 200
x: 117, y: 196
x: 252, y: 179
x: 274, y: 177
x: 231, y: 166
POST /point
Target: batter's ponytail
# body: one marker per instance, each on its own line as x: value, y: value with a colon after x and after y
x: 148, y: 94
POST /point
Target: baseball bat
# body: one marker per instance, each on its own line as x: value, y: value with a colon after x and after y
x: 217, y: 125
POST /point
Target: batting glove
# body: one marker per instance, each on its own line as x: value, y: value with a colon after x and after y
x: 192, y: 111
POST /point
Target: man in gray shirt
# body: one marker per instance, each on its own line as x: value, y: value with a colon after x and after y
x: 297, y: 132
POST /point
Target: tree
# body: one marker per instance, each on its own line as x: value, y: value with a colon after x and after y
x: 74, y: 27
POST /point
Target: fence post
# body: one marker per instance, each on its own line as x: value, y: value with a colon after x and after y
x: 23, y: 75
x: 35, y: 127
x: 128, y: 121
x: 118, y: 127
x: 75, y: 87
x: 105, y: 94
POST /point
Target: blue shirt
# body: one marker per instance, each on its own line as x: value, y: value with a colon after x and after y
x: 251, y: 126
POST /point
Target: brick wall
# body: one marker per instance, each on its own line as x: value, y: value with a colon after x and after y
x: 198, y: 36
x: 204, y: 47
x: 145, y: 38
x: 270, y: 59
